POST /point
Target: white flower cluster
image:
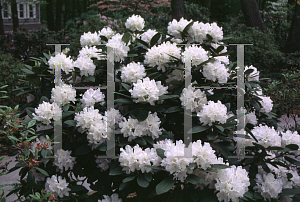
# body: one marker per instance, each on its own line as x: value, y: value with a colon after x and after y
x: 100, y: 128
x: 213, y: 112
x: 147, y: 36
x: 216, y: 71
x: 197, y: 54
x: 193, y: 99
x: 46, y: 111
x: 266, y: 136
x: 173, y: 164
x: 135, y: 23
x: 58, y: 186
x: 253, y: 76
x: 102, y: 163
x: 136, y: 158
x: 63, y: 159
x: 86, y: 66
x: 132, y: 128
x: 113, y: 198
x: 267, y: 104
x: 204, y: 155
x: 290, y: 137
x: 251, y: 118
x: 147, y: 90
x: 160, y: 55
x: 63, y: 94
x: 132, y: 72
x: 61, y: 61
x: 119, y: 47
x: 232, y: 183
x: 107, y: 32
x: 89, y: 39
x: 199, y: 30
x: 90, y: 97
x: 90, y: 52
x: 176, y: 27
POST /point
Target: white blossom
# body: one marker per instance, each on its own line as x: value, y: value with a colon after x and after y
x: 176, y: 27
x: 63, y: 94
x: 89, y: 39
x: 86, y: 66
x: 147, y: 90
x: 46, y: 111
x: 90, y: 52
x: 147, y: 36
x: 58, y: 186
x: 119, y: 47
x: 216, y: 71
x: 132, y: 72
x: 135, y: 22
x: 63, y: 159
x: 90, y: 97
x: 266, y: 136
x: 160, y: 55
x: 61, y: 61
x: 197, y: 54
x: 212, y: 113
x: 107, y: 32
x: 193, y: 99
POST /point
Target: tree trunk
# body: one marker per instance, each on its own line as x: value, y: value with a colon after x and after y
x: 73, y: 8
x: 177, y: 9
x: 1, y: 21
x: 50, y: 17
x: 59, y: 5
x: 14, y: 12
x: 251, y: 14
x: 293, y: 41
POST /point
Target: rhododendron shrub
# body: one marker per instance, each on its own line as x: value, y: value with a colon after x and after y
x: 153, y: 160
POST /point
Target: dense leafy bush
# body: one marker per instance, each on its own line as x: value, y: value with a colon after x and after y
x: 10, y: 71
x: 151, y: 104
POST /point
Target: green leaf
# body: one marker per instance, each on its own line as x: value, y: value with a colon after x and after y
x: 102, y: 147
x: 165, y: 97
x: 198, y: 129
x: 142, y: 42
x: 1, y: 158
x: 31, y: 123
x: 293, y: 161
x: 287, y: 192
x: 70, y: 122
x: 148, y: 176
x: 124, y: 101
x: 142, y: 182
x: 154, y: 39
x: 194, y: 179
x: 149, y: 139
x: 141, y: 141
x: 219, y: 166
x: 90, y: 78
x: 157, y: 108
x: 126, y: 86
x: 292, y: 147
x: 67, y: 113
x: 29, y: 111
x: 142, y: 115
x: 126, y: 38
x: 165, y: 185
x: 154, y: 167
x: 83, y: 149
x: 220, y: 128
x: 45, y: 153
x: 42, y: 171
x: 116, y: 171
x: 173, y: 109
x: 26, y: 152
x: 160, y: 153
x: 187, y: 27
x: 255, y: 104
x: 43, y: 99
x: 209, y: 37
x: 27, y: 71
x: 128, y: 179
x: 76, y: 188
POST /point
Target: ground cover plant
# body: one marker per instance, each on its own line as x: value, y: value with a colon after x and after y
x: 147, y: 122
